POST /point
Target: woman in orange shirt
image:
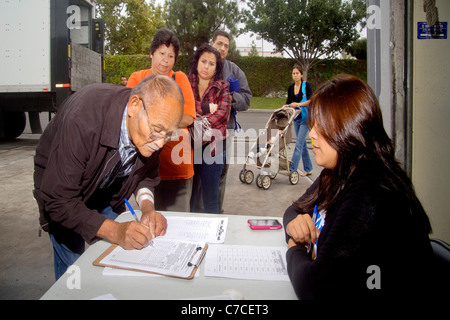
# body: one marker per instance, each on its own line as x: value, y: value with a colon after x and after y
x: 176, y: 168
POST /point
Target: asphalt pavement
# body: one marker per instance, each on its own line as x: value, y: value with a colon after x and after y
x: 26, y: 259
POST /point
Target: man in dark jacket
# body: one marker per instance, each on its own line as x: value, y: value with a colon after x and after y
x: 240, y: 98
x: 102, y: 146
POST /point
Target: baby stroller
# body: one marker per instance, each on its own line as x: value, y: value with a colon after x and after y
x: 269, y: 152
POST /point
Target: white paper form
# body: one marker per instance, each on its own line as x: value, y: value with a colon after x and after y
x: 170, y: 257
x: 246, y: 262
x: 211, y: 230
x: 182, y: 227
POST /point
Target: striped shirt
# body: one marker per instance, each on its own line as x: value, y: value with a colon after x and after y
x: 126, y: 148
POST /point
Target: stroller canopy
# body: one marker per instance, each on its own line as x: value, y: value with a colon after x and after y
x: 281, y: 118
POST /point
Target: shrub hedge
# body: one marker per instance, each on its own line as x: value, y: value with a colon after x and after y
x: 267, y: 76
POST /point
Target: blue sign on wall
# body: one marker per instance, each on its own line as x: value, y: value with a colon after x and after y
x: 438, y: 31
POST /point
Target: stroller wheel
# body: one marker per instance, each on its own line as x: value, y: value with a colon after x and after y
x: 293, y: 177
x: 242, y: 175
x: 248, y: 176
x: 259, y: 180
x: 266, y: 182
x: 273, y: 175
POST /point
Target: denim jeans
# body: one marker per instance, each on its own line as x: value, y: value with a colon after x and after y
x: 64, y: 257
x: 207, y: 175
x: 301, y: 149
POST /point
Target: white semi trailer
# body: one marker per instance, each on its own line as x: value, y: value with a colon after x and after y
x: 48, y: 50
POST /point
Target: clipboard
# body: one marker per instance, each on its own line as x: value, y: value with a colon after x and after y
x: 193, y: 263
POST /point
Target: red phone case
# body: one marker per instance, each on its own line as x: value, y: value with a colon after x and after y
x: 262, y: 227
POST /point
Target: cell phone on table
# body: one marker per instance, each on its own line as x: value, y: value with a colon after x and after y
x: 264, y: 224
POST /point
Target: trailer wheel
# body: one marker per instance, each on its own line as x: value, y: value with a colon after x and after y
x: 13, y: 125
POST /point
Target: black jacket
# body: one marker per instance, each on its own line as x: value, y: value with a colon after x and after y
x: 75, y: 152
x: 370, y: 232
x: 293, y: 98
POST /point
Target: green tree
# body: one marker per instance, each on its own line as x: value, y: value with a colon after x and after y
x: 194, y: 21
x: 306, y: 29
x: 130, y: 24
x: 358, y: 49
x: 253, y: 51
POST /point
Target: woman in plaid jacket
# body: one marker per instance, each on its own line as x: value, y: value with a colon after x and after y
x: 213, y: 102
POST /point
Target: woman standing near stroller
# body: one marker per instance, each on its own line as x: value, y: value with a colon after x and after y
x: 213, y: 102
x: 299, y: 94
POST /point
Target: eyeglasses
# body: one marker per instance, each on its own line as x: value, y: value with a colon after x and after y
x: 154, y: 136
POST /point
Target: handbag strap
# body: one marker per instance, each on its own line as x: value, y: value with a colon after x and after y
x: 304, y: 91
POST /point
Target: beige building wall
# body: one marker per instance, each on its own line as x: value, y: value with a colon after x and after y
x: 431, y: 122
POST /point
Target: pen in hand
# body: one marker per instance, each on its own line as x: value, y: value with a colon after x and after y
x: 132, y: 211
x: 137, y: 220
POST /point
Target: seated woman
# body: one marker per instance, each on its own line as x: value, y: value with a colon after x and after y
x: 213, y: 102
x: 374, y: 242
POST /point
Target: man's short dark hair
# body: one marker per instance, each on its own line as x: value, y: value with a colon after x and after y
x: 166, y: 37
x: 221, y: 33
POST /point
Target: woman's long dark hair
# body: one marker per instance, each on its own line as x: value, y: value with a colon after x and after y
x: 346, y: 113
x: 219, y: 63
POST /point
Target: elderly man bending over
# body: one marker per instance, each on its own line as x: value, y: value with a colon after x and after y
x: 102, y: 146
